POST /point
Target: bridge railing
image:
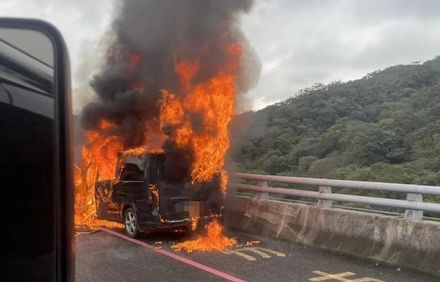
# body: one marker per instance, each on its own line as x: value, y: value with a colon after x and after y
x: 414, y: 205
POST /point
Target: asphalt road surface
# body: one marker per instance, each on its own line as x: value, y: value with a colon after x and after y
x: 110, y: 256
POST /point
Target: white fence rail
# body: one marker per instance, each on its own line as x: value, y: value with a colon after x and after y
x: 413, y: 205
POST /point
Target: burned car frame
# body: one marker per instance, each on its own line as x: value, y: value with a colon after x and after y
x: 143, y: 199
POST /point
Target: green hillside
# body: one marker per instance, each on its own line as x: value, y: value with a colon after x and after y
x: 383, y: 127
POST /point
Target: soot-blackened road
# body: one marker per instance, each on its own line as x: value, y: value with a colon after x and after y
x: 110, y: 256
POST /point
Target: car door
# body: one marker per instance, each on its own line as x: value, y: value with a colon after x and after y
x: 130, y: 187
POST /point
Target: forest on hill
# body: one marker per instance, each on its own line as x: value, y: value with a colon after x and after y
x: 383, y: 127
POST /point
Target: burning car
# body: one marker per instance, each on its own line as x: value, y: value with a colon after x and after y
x: 144, y: 199
x: 172, y: 93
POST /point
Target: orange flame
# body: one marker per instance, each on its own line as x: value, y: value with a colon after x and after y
x: 212, y: 102
x: 213, y: 240
x: 186, y: 71
x: 99, y: 159
x: 200, y: 117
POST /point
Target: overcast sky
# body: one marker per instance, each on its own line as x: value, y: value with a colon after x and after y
x: 298, y: 42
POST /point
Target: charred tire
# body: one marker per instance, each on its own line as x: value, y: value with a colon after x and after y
x: 131, y: 223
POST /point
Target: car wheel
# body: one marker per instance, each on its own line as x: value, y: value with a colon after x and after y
x: 131, y: 224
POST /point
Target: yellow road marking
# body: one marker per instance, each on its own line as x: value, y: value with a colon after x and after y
x: 262, y: 252
x: 367, y: 279
x: 324, y: 276
x: 256, y: 251
x: 327, y: 276
x: 278, y: 254
x: 248, y: 257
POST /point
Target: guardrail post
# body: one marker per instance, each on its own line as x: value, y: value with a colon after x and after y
x: 414, y: 214
x: 262, y: 195
x: 325, y: 203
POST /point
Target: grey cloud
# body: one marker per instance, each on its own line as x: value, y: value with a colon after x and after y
x: 394, y: 9
x: 299, y: 42
x: 305, y: 42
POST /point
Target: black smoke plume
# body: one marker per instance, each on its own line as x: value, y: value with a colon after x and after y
x: 148, y: 36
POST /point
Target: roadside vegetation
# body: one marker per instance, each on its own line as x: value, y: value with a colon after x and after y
x: 383, y: 127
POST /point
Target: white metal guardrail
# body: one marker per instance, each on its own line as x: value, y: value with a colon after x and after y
x: 413, y: 205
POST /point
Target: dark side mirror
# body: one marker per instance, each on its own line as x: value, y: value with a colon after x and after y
x: 35, y: 153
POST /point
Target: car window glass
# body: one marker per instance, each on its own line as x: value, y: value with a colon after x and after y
x: 31, y: 101
x: 131, y: 172
x: 27, y: 131
x: 5, y: 97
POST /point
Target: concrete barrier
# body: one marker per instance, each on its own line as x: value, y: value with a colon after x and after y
x: 400, y: 242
